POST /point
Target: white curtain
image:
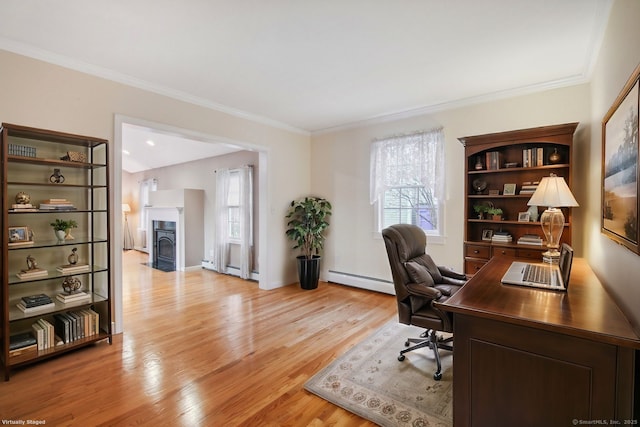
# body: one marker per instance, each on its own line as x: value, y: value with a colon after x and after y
x: 240, y: 199
x: 146, y: 187
x: 246, y: 221
x: 221, y: 246
x: 405, y: 159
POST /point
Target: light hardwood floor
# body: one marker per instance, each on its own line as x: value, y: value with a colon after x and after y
x: 203, y: 349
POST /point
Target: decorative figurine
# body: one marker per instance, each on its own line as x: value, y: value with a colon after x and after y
x: 23, y: 198
x: 73, y: 258
x: 31, y: 263
x: 56, y: 177
x: 71, y: 285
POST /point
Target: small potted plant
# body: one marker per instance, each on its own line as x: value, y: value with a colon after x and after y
x: 62, y: 228
x: 496, y: 213
x: 307, y: 223
x: 480, y: 210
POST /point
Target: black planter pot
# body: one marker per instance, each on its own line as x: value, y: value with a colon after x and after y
x: 309, y: 271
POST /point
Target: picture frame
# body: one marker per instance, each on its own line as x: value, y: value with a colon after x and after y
x: 524, y: 216
x: 509, y: 190
x: 487, y: 234
x: 19, y: 234
x: 620, y: 161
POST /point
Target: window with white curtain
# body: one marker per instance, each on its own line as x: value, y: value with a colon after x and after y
x: 146, y: 187
x: 407, y: 180
x: 234, y: 218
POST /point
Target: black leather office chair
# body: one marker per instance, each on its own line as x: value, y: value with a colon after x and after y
x: 418, y: 283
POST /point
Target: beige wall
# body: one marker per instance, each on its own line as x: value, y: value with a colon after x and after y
x: 197, y: 174
x: 340, y: 172
x: 618, y: 267
x: 47, y: 96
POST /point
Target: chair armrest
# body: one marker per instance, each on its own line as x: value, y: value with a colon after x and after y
x: 422, y: 290
x: 447, y: 272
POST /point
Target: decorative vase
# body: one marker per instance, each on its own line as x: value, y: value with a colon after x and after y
x: 67, y: 234
x: 60, y: 234
x: 555, y: 158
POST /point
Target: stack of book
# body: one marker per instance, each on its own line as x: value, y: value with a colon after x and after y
x: 23, y: 207
x: 75, y: 325
x: 530, y: 239
x: 57, y: 205
x: 73, y: 268
x: 529, y: 187
x: 33, y: 303
x: 501, y: 237
x: 22, y: 343
x: 45, y: 335
x: 74, y: 297
x: 32, y: 274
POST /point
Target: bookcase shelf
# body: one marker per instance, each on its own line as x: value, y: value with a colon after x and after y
x: 519, y: 157
x: 83, y: 163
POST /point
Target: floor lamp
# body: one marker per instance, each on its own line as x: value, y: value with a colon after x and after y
x: 128, y: 238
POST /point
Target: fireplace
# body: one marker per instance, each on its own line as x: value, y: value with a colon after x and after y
x: 164, y: 245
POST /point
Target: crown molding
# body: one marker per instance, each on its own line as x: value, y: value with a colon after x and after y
x: 83, y: 67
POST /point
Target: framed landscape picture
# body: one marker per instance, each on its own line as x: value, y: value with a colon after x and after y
x: 620, y: 167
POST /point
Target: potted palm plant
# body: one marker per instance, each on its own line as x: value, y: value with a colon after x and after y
x: 307, y: 223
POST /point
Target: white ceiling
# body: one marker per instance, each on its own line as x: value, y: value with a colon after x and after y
x: 312, y: 65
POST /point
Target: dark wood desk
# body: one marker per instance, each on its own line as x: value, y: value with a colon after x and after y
x: 525, y: 356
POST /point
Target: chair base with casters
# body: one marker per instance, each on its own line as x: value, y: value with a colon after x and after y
x: 429, y: 339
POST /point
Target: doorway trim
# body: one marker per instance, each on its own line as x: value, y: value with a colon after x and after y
x: 116, y: 195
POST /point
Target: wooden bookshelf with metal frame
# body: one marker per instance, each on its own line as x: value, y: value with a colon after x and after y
x: 49, y: 176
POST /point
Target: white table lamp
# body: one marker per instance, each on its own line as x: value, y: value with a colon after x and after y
x: 553, y: 192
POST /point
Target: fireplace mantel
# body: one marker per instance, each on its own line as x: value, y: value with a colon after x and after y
x: 172, y: 214
x: 185, y: 207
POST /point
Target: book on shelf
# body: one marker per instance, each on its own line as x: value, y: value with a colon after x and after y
x: 39, y: 332
x: 78, y: 324
x: 493, y: 160
x: 56, y: 207
x: 58, y: 201
x: 21, y: 340
x: 530, y: 239
x: 532, y: 157
x: 33, y: 273
x: 73, y: 268
x: 48, y: 333
x: 21, y: 305
x: 33, y: 348
x: 73, y: 297
x: 36, y: 300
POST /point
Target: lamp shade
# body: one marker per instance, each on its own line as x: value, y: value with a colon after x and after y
x: 553, y: 192
x: 126, y: 207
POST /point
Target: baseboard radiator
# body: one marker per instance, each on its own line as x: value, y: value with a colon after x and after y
x: 231, y: 270
x: 358, y: 281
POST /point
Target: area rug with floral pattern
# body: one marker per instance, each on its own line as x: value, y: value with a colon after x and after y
x: 369, y: 381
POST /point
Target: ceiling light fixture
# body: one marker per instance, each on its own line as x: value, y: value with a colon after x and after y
x: 125, y: 152
x: 150, y: 142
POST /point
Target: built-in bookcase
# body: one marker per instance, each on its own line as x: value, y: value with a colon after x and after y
x: 49, y: 175
x: 502, y: 171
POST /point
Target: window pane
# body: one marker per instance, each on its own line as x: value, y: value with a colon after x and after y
x: 410, y: 205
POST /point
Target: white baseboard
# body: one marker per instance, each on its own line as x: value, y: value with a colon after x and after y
x: 234, y: 271
x: 364, y: 282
